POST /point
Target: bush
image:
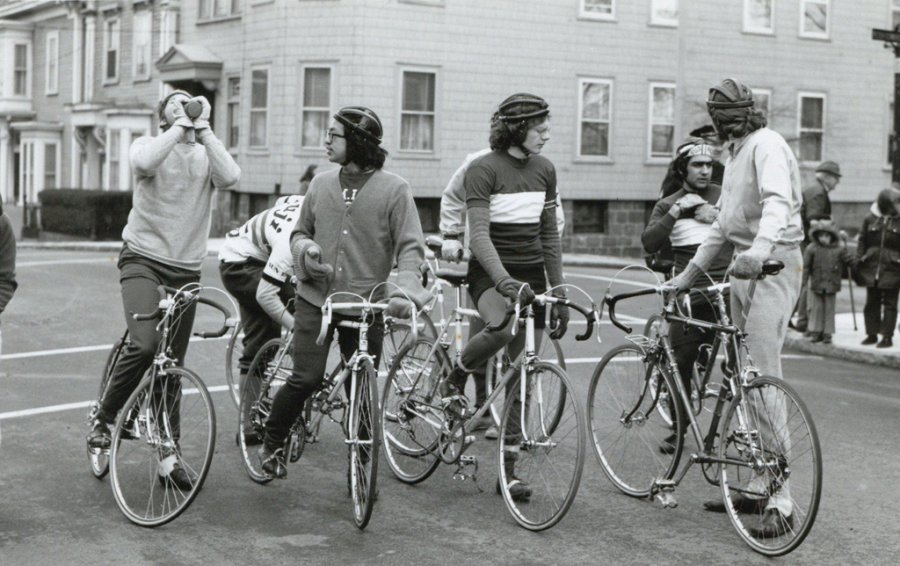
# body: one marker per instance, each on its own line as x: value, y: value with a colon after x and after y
x: 98, y: 215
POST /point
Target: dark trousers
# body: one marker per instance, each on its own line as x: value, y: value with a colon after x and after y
x: 876, y: 300
x: 241, y: 280
x: 139, y: 277
x: 686, y: 340
x: 310, y: 360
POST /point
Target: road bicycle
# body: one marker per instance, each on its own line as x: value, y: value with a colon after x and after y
x: 168, y: 420
x: 542, y: 425
x: 347, y: 396
x: 761, y: 444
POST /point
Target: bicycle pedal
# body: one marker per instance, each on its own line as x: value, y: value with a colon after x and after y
x: 667, y: 500
x: 462, y: 464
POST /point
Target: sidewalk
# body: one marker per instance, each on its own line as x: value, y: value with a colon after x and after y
x: 845, y: 342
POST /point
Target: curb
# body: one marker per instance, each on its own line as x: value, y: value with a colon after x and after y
x: 796, y: 341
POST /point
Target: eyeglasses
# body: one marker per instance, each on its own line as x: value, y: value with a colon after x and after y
x: 329, y: 135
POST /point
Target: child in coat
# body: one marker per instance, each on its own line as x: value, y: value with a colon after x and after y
x: 824, y: 259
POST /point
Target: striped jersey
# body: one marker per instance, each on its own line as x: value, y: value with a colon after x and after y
x: 517, y: 191
x: 266, y: 237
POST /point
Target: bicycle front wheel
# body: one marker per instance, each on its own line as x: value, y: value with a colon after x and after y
x: 633, y: 442
x: 771, y: 454
x: 98, y: 459
x: 364, y: 438
x: 232, y: 363
x: 411, y: 417
x: 162, y: 447
x: 264, y: 378
x: 540, y: 466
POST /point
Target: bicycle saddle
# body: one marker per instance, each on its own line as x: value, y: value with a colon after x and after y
x: 455, y: 278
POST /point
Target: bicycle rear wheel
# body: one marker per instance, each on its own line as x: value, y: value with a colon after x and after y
x: 396, y: 335
x: 411, y: 417
x: 628, y: 433
x: 167, y: 424
x: 232, y: 363
x: 773, y: 455
x: 549, y: 462
x: 264, y: 378
x: 364, y: 438
x: 550, y: 351
x: 98, y: 459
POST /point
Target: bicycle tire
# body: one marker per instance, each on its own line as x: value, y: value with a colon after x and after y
x: 550, y: 462
x: 396, y: 335
x: 791, y: 464
x: 410, y: 441
x: 629, y: 451
x: 157, y: 398
x: 653, y: 327
x: 364, y: 421
x: 257, y: 394
x: 232, y: 363
x: 551, y: 351
x: 98, y: 459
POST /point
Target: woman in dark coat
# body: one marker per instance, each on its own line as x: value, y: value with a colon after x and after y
x: 878, y: 267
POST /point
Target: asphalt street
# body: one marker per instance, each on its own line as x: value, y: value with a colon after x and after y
x: 67, y: 312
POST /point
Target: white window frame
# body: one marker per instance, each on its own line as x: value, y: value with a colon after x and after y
x: 580, y: 120
x: 747, y: 28
x: 659, y: 158
x: 206, y: 10
x: 51, y: 59
x: 768, y: 93
x: 588, y: 15
x: 114, y: 38
x: 304, y: 108
x: 660, y: 21
x: 434, y: 113
x: 146, y: 16
x: 256, y: 110
x: 800, y: 96
x: 57, y: 154
x: 814, y: 35
x: 26, y: 70
x: 232, y: 101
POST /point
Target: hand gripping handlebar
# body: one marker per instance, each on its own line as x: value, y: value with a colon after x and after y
x: 591, y: 315
x: 184, y: 297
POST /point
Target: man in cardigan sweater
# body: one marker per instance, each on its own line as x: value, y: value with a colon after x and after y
x: 165, y: 243
x: 355, y: 224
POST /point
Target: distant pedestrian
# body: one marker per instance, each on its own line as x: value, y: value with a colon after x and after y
x: 816, y: 205
x: 306, y: 178
x: 824, y: 261
x: 7, y: 264
x: 878, y: 267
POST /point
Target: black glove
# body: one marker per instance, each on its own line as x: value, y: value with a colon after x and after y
x: 559, y: 321
x: 515, y: 290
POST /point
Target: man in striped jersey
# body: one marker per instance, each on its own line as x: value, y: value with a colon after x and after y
x: 256, y: 266
x: 513, y: 236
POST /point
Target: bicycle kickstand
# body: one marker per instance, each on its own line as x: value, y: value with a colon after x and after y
x: 467, y: 468
x: 663, y: 493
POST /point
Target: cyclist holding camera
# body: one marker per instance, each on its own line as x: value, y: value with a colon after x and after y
x: 165, y: 242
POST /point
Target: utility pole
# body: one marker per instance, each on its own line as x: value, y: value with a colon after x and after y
x: 891, y: 39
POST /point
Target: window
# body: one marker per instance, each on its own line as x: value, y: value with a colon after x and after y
x: 50, y: 166
x: 259, y: 104
x: 814, y: 20
x: 112, y: 151
x: 52, y: 64
x: 212, y: 9
x: 417, y: 111
x: 895, y: 14
x: 759, y: 16
x: 234, y: 111
x: 811, y: 126
x: 662, y: 120
x: 762, y: 99
x: 20, y: 70
x: 143, y: 30
x: 316, y: 106
x: 595, y: 110
x: 111, y: 50
x: 664, y: 12
x: 589, y: 216
x: 598, y: 9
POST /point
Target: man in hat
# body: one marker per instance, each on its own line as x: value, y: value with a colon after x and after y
x: 816, y: 205
x: 760, y: 215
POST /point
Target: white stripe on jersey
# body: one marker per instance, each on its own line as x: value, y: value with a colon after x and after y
x: 517, y: 208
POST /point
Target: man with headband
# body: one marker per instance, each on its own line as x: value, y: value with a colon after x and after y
x: 165, y: 243
x: 356, y: 223
x: 760, y: 215
x: 684, y: 219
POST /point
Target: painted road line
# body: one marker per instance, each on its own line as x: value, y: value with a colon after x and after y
x: 82, y: 349
x: 610, y: 279
x: 109, y: 259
